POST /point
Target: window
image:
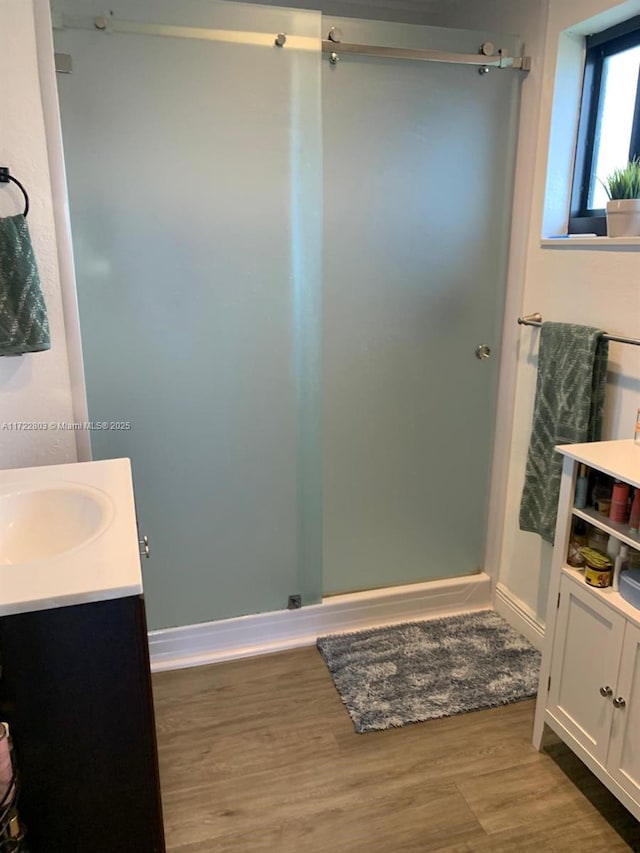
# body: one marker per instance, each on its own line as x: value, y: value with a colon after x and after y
x: 609, y: 129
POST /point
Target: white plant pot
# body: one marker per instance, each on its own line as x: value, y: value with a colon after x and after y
x: 623, y: 217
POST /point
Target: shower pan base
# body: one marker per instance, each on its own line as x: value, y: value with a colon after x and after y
x: 264, y: 633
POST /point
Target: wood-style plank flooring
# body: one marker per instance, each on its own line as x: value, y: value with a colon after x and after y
x: 260, y: 755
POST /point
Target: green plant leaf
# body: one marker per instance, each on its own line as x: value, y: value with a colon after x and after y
x: 624, y: 182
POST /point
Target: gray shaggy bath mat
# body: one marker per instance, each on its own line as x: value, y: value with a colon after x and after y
x: 401, y: 674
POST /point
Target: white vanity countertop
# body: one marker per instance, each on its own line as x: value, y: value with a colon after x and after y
x: 38, y: 571
x: 620, y: 459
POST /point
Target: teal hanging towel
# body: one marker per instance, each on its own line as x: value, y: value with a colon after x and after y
x: 24, y: 325
x: 568, y: 409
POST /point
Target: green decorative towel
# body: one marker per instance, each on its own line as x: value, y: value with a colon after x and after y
x: 572, y: 372
x: 24, y: 326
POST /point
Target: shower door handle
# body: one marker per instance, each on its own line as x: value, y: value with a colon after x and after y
x: 145, y: 548
x: 483, y: 351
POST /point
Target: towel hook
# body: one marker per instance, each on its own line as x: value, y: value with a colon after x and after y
x: 5, y: 177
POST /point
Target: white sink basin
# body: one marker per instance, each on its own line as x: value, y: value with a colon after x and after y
x: 50, y: 520
x: 68, y: 535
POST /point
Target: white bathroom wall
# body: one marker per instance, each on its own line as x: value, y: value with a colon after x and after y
x: 34, y: 388
x: 598, y: 287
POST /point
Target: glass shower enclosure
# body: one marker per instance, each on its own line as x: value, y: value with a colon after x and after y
x: 193, y: 151
x: 284, y: 268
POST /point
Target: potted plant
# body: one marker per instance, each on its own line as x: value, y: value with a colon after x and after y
x: 623, y: 208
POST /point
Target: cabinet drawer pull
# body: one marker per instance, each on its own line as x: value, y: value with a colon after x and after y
x: 619, y: 702
x: 606, y: 691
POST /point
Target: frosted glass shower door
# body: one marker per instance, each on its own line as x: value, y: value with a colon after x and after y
x: 194, y: 174
x: 418, y: 170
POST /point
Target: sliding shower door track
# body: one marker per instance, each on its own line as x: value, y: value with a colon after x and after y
x: 333, y: 46
x: 500, y: 60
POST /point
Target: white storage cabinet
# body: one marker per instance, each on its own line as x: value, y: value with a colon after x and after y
x: 590, y: 676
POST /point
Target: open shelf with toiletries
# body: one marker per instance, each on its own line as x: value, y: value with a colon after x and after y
x: 589, y: 690
x: 619, y: 530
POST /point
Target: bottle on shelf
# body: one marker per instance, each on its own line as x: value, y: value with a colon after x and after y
x: 613, y: 548
x: 633, y: 560
x: 582, y: 486
x: 619, y: 502
x: 634, y: 518
x: 621, y: 563
x: 598, y: 540
x: 602, y: 494
x: 578, y: 540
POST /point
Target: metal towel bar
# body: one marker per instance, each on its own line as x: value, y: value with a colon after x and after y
x: 536, y: 320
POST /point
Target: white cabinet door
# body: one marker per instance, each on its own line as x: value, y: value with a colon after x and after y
x: 584, y: 667
x: 624, y: 750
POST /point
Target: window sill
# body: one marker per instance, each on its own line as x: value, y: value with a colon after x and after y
x: 607, y: 244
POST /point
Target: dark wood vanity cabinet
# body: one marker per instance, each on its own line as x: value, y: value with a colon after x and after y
x: 75, y: 689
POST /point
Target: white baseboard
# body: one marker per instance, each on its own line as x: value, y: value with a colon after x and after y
x: 263, y: 633
x: 519, y: 616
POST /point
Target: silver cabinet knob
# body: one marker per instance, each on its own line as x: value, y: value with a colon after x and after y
x: 483, y: 351
x: 145, y: 549
x: 619, y: 702
x: 280, y: 40
x: 606, y: 691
